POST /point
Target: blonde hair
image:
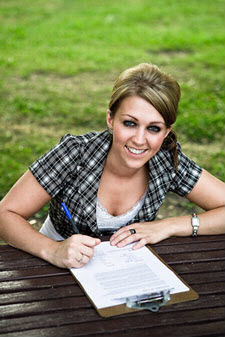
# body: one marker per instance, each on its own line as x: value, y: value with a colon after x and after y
x: 156, y: 87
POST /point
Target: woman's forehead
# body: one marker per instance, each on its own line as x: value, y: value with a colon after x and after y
x: 136, y: 107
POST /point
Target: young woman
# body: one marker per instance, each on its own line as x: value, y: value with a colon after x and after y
x: 114, y: 181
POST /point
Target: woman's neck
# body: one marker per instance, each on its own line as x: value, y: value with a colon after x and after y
x: 114, y: 168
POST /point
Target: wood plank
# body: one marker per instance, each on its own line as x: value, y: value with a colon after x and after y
x: 191, y: 240
x: 205, y: 301
x: 32, y: 308
x: 193, y: 257
x: 198, y: 267
x: 212, y: 329
x: 183, y: 324
x: 32, y: 272
x: 14, y: 254
x: 51, y: 319
x: 204, y: 277
x: 29, y: 284
x: 196, y: 247
x: 41, y: 294
x: 5, y: 247
x: 210, y: 288
x: 20, y: 264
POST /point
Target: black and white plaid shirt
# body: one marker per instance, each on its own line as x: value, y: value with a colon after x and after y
x: 70, y: 172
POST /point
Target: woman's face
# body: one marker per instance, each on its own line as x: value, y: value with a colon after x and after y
x: 138, y: 132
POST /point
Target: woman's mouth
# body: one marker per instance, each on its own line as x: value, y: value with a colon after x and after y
x: 134, y: 151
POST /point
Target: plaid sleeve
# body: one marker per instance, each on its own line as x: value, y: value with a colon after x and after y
x: 56, y: 167
x: 186, y: 176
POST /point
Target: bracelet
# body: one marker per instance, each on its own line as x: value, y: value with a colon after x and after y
x: 195, y: 224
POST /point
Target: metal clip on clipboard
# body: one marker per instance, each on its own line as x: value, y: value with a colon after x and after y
x: 150, y: 302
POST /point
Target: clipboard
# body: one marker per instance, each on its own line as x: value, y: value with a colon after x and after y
x: 152, y: 301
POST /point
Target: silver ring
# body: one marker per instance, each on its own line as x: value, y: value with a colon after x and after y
x: 132, y: 231
x: 80, y: 259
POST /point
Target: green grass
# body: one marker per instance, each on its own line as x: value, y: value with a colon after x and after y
x: 58, y: 61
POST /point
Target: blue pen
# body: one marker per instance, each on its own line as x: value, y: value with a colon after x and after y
x: 69, y: 217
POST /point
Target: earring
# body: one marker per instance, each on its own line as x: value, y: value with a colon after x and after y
x: 111, y: 131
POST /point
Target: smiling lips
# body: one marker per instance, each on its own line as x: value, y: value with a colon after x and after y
x: 135, y: 151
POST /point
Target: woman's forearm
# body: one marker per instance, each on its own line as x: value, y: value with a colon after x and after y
x: 210, y: 222
x: 73, y: 252
x: 17, y: 232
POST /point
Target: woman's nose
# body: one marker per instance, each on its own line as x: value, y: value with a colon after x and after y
x: 139, y: 137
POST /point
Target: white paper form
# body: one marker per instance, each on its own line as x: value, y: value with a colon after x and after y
x: 114, y: 274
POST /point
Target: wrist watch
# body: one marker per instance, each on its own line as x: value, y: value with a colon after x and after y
x: 195, y: 224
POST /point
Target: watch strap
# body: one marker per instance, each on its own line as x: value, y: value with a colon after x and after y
x: 195, y: 224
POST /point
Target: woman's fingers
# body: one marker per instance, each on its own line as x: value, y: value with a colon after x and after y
x: 87, y: 245
x: 76, y: 251
x: 125, y: 236
x: 141, y: 243
x: 142, y: 233
x: 83, y: 259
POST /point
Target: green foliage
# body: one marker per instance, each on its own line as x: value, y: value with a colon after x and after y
x: 58, y: 61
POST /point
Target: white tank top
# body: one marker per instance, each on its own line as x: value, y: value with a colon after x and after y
x: 108, y: 222
x: 105, y: 221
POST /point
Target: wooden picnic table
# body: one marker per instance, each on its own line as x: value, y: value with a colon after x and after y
x: 39, y: 299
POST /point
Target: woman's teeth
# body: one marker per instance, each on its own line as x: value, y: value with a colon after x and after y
x: 135, y: 151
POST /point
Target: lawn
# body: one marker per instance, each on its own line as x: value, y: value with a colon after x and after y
x: 58, y: 61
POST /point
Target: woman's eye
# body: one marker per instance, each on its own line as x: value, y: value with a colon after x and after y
x: 129, y: 123
x: 154, y: 128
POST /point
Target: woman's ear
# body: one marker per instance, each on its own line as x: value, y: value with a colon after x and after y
x: 168, y: 131
x: 109, y: 119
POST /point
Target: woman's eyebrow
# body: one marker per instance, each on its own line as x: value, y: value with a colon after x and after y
x: 152, y: 122
x: 157, y: 122
x: 127, y: 115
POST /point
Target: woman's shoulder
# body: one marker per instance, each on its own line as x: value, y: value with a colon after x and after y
x: 164, y: 160
x: 83, y: 139
x: 182, y: 179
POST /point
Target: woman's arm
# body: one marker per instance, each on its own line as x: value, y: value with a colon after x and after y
x: 25, y: 198
x: 208, y: 193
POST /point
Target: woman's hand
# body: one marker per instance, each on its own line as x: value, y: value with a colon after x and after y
x: 146, y: 232
x: 74, y: 252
